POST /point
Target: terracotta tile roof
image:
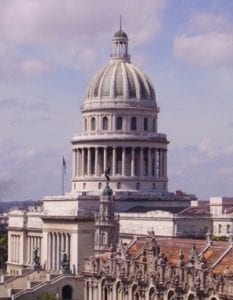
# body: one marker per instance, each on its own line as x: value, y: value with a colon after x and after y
x: 171, y: 248
x: 225, y: 266
x: 136, y: 247
x: 213, y: 253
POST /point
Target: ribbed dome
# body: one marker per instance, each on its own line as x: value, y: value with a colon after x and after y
x: 122, y: 80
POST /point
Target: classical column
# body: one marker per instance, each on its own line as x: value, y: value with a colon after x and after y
x: 156, y: 162
x: 113, y: 161
x: 58, y: 252
x: 32, y: 245
x: 141, y: 162
x: 83, y: 161
x: 105, y: 158
x: 88, y: 161
x: 51, y: 251
x: 132, y: 161
x: 54, y: 252
x: 15, y: 248
x: 149, y: 162
x: 165, y: 163
x: 123, y: 161
x: 48, y: 251
x: 28, y: 249
x: 73, y: 162
x: 96, y: 161
x: 68, y: 244
x: 160, y: 163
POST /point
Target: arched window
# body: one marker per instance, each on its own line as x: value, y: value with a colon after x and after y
x: 145, y: 124
x: 119, y: 123
x: 133, y: 123
x: 105, y: 123
x: 67, y: 292
x: 93, y: 124
x: 85, y: 124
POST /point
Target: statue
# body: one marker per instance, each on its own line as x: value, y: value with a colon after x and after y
x: 36, y: 259
x: 106, y: 173
x: 65, y: 263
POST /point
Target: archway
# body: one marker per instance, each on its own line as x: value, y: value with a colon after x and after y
x: 170, y: 295
x: 191, y: 297
x: 67, y: 292
x: 152, y: 295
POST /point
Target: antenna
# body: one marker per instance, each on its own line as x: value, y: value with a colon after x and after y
x: 120, y: 22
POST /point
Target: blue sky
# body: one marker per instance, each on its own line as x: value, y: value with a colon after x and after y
x: 49, y: 51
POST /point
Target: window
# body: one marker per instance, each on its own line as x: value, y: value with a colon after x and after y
x: 105, y: 123
x: 145, y: 125
x: 99, y: 185
x: 228, y: 228
x: 137, y: 186
x: 119, y: 123
x: 219, y: 228
x: 118, y: 185
x: 154, y: 185
x: 133, y: 123
x: 84, y: 186
x: 93, y: 124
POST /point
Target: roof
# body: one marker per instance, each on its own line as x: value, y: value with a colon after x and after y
x: 120, y: 33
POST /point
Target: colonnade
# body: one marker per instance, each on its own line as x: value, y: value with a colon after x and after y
x: 124, y: 161
x: 58, y: 243
x: 15, y: 248
x: 33, y: 242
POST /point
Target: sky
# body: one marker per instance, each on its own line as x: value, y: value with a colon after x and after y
x: 50, y: 50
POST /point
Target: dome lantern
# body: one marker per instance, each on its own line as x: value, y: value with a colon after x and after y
x: 120, y: 45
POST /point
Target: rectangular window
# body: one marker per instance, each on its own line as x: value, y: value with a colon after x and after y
x: 219, y: 228
x: 228, y: 228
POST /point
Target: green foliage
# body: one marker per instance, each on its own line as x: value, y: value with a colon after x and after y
x: 3, y: 250
x: 222, y: 238
x: 47, y: 296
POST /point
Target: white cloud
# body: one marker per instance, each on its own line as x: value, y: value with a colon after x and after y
x: 61, y: 31
x: 32, y: 67
x: 200, y: 170
x: 28, y: 173
x: 208, y: 41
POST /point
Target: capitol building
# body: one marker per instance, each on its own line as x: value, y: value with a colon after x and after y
x: 119, y: 141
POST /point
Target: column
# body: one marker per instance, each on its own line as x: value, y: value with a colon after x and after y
x: 141, y: 162
x: 149, y: 162
x: 133, y: 161
x: 113, y: 161
x: 62, y: 242
x: 165, y: 163
x: 28, y: 250
x: 96, y: 161
x: 105, y: 158
x: 49, y: 251
x: 83, y: 161
x: 123, y: 161
x: 68, y: 245
x: 156, y: 163
x: 160, y: 162
x: 16, y: 248
x: 74, y: 163
x: 58, y: 260
x: 53, y: 251
x: 88, y: 161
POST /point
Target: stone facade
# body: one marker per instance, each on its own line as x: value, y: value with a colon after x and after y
x: 151, y: 268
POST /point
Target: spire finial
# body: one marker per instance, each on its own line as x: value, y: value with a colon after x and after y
x: 120, y: 23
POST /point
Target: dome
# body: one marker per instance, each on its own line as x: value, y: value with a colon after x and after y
x: 121, y: 80
x: 120, y: 34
